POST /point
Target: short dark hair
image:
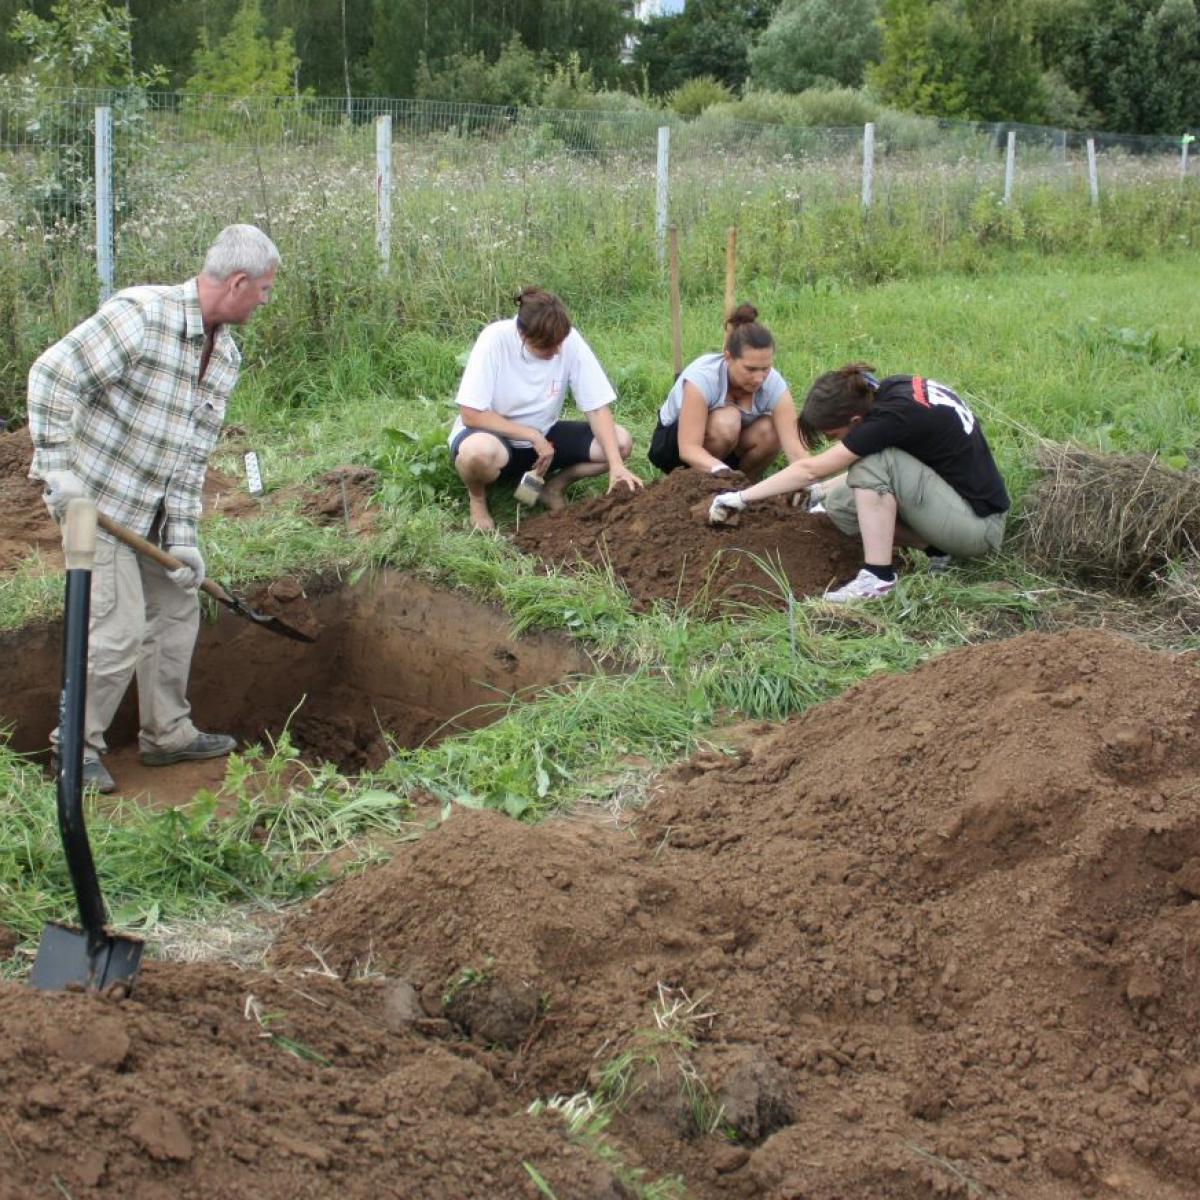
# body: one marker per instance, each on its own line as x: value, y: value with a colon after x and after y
x: 835, y: 398
x: 542, y: 318
x: 744, y: 331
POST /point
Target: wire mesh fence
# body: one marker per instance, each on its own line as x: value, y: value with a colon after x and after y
x: 484, y: 198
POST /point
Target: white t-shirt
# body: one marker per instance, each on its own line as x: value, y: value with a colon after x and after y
x: 505, y: 377
x: 710, y: 373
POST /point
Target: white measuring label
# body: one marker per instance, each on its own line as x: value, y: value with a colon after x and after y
x: 253, y: 474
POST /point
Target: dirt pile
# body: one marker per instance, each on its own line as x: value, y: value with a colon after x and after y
x: 660, y: 547
x: 946, y: 926
x: 343, y: 496
x: 936, y: 938
x: 216, y: 1084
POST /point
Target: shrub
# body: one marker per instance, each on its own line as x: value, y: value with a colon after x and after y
x: 690, y: 99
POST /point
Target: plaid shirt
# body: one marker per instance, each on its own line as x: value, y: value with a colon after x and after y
x: 119, y: 401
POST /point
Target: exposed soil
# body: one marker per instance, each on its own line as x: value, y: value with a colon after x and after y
x: 943, y: 932
x: 396, y: 662
x: 343, y: 495
x: 660, y: 545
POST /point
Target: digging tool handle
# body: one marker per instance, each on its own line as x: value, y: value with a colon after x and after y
x: 79, y: 545
x: 730, y: 269
x: 676, y: 323
x: 157, y: 554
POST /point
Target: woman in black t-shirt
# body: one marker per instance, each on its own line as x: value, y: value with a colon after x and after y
x: 917, y: 472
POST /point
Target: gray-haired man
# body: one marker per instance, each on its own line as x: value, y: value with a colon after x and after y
x: 125, y: 410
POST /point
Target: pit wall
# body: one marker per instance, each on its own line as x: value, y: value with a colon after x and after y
x: 397, y: 642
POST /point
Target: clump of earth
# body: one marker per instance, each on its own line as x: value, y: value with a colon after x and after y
x: 659, y: 544
x: 936, y: 937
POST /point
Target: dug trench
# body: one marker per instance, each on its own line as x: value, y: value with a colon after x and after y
x: 396, y: 662
x: 934, y: 938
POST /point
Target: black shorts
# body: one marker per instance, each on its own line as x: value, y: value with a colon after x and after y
x: 664, y: 449
x: 572, y: 442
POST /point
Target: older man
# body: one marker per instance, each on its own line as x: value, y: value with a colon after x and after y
x: 125, y: 410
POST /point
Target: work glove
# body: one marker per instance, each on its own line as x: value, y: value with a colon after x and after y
x: 721, y: 469
x: 61, y: 488
x: 724, y: 506
x: 189, y: 575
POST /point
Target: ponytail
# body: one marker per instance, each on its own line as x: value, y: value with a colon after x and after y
x: 743, y: 331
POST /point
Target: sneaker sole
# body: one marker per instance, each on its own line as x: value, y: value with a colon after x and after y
x: 178, y: 756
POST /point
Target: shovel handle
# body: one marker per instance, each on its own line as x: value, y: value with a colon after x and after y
x: 79, y: 545
x: 156, y: 554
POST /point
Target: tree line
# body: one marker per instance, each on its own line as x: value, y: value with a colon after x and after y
x: 1124, y: 65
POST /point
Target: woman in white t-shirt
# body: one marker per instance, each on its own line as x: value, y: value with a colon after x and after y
x: 511, y: 398
x: 731, y: 409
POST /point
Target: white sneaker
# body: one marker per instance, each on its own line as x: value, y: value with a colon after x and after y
x: 866, y: 585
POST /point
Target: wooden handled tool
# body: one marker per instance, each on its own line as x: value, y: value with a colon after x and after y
x: 210, y: 587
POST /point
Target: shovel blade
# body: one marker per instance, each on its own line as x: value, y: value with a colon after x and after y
x: 65, y: 963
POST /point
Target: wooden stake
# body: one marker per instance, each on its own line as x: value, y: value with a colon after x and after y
x: 730, y: 268
x: 676, y: 320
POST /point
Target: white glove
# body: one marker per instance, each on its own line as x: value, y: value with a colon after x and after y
x: 61, y: 488
x: 721, y: 469
x: 723, y: 506
x: 190, y: 574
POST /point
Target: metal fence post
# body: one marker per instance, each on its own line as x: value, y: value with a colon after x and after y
x: 868, y: 166
x: 383, y: 191
x: 1093, y: 179
x: 104, y: 201
x: 1010, y: 162
x: 1184, y: 142
x: 661, y: 192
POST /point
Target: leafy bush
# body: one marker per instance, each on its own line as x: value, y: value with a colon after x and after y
x: 817, y: 43
x: 836, y: 107
x: 569, y: 86
x: 514, y: 78
x: 690, y: 99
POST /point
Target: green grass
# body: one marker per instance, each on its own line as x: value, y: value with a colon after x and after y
x: 1059, y: 349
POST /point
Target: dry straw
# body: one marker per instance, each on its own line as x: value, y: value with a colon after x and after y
x: 1120, y: 521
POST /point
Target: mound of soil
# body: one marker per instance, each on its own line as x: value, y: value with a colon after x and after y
x: 946, y: 927
x: 662, y: 548
x: 217, y: 1084
x: 935, y: 938
x: 343, y: 496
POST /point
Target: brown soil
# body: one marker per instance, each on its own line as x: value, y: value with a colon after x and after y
x: 942, y: 930
x: 396, y: 661
x: 217, y: 1084
x: 662, y: 548
x: 947, y: 925
x: 343, y: 496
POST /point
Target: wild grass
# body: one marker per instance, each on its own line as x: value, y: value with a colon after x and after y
x: 263, y: 838
x: 1082, y: 351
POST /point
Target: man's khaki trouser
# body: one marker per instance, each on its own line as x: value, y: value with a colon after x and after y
x: 927, y: 504
x: 140, y: 621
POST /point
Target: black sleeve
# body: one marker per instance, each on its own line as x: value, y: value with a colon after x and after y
x: 878, y: 430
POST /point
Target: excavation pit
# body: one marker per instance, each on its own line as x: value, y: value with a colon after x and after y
x: 396, y: 662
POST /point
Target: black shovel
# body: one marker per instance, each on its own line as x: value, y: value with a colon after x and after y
x: 211, y: 588
x: 67, y: 958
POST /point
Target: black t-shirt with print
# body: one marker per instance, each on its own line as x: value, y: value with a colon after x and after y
x: 932, y: 424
